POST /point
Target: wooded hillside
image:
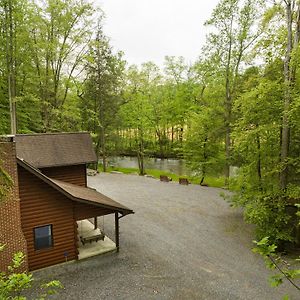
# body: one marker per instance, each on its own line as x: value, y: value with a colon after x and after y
x: 238, y: 105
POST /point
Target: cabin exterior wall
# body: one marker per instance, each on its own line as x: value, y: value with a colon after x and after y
x: 42, y: 205
x: 75, y: 174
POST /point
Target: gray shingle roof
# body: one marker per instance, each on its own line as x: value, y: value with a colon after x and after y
x: 55, y: 149
x: 90, y: 195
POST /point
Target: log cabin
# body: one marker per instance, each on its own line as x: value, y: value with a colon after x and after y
x: 48, y: 197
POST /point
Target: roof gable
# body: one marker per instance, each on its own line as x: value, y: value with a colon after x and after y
x: 78, y: 193
x: 55, y: 149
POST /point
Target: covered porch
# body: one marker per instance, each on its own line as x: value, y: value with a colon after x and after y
x: 92, y: 240
x: 88, y: 204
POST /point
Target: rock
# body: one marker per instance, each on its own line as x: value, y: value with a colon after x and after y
x: 149, y: 176
x: 91, y: 172
x: 116, y: 172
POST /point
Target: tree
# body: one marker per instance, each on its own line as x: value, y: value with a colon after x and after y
x: 101, y: 96
x: 181, y: 96
x: 11, y: 63
x: 292, y: 40
x: 14, y: 38
x: 236, y: 30
x: 203, y: 148
x: 136, y: 110
x: 60, y: 33
x: 265, y: 130
x: 153, y: 91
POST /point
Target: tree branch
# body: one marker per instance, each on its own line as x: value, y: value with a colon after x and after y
x: 282, y: 272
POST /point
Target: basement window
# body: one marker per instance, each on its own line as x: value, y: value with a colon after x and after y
x: 43, y: 237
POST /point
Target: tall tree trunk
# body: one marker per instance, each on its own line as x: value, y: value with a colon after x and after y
x: 101, y: 111
x: 228, y: 107
x: 258, y: 161
x: 205, y: 159
x: 140, y: 153
x: 10, y: 58
x: 181, y: 135
x: 103, y: 149
x: 289, y: 78
x: 102, y: 135
x: 97, y: 153
x: 160, y: 142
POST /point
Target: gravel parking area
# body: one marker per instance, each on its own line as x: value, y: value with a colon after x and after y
x: 183, y: 242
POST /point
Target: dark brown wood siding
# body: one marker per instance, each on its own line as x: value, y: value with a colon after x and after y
x: 43, y: 205
x: 71, y: 174
x: 85, y: 211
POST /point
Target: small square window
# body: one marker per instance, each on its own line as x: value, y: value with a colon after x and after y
x: 43, y: 237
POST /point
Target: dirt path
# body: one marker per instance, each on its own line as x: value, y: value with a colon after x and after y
x: 184, y: 242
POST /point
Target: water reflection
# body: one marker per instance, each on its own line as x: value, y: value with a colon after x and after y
x: 176, y: 166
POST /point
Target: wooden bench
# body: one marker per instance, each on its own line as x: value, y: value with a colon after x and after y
x: 165, y: 178
x: 93, y: 238
x: 183, y: 181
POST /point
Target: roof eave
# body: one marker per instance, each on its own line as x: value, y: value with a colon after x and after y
x: 48, y: 181
x: 64, y: 165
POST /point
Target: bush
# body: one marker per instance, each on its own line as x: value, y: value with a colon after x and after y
x: 14, y: 284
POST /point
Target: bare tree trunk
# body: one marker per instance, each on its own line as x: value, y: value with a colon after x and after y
x: 10, y: 58
x: 103, y: 148
x: 228, y: 106
x: 97, y: 153
x: 259, y: 161
x: 140, y: 153
x: 205, y: 159
x: 181, y: 135
x: 289, y: 78
x: 160, y: 142
x: 227, y: 132
x: 101, y: 110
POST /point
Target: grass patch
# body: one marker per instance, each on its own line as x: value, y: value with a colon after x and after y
x: 209, y: 180
x: 123, y: 170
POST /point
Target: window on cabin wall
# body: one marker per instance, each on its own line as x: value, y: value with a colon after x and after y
x: 43, y: 238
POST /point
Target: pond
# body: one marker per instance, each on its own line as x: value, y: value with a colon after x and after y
x: 177, y: 166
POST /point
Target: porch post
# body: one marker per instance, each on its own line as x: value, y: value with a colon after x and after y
x: 95, y: 222
x: 117, y: 230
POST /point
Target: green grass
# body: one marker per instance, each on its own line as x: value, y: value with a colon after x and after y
x: 209, y: 180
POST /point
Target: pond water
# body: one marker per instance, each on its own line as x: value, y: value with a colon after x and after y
x: 176, y: 166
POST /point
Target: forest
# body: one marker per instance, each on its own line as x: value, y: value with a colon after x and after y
x: 237, y: 105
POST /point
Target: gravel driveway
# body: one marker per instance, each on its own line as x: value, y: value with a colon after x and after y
x: 183, y: 242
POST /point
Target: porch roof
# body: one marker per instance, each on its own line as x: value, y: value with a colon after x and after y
x: 78, y: 193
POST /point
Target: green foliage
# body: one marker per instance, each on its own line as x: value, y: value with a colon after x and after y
x: 273, y: 261
x: 101, y: 95
x: 14, y: 284
x: 5, y: 183
x: 267, y: 211
x: 203, y: 148
x: 45, y: 43
x: 209, y: 180
x: 229, y: 108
